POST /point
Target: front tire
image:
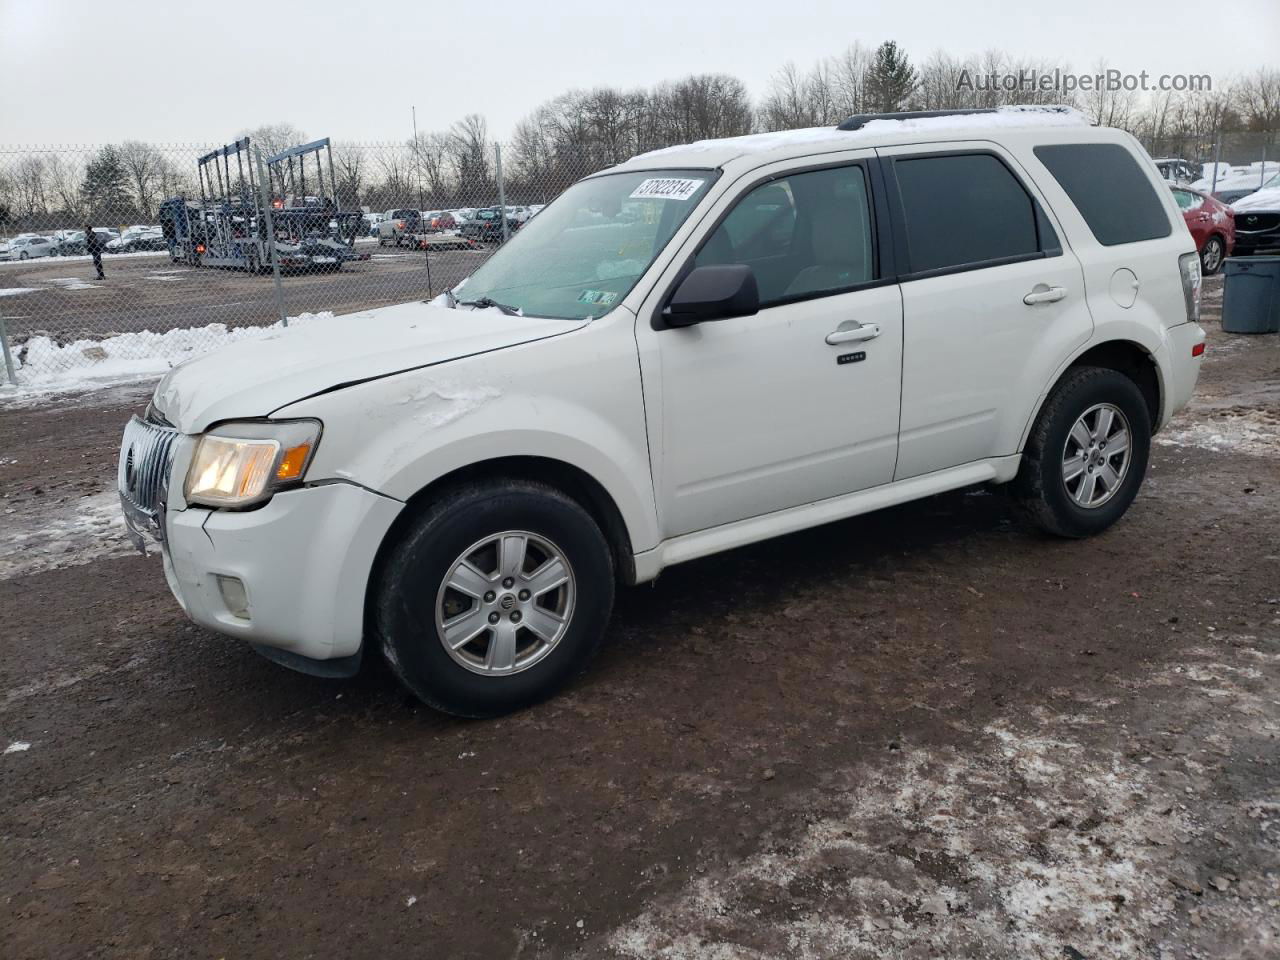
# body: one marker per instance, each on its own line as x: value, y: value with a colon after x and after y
x: 494, y: 597
x: 1087, y: 454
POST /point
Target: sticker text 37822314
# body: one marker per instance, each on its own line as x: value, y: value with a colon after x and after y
x: 666, y: 188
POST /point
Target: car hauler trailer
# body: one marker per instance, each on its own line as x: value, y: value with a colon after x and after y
x: 235, y: 230
x: 312, y: 230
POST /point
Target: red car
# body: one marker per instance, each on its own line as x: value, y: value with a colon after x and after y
x: 1212, y: 225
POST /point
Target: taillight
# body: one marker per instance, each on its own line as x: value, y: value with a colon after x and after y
x: 1189, y: 268
x: 1197, y: 350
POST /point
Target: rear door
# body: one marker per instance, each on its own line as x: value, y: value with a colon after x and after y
x: 991, y: 302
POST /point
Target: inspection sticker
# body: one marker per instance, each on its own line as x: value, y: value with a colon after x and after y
x: 666, y: 188
x: 602, y: 297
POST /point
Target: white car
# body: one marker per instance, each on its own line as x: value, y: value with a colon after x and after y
x: 803, y: 326
x: 29, y: 247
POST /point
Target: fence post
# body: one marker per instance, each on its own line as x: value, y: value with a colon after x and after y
x: 1217, y: 154
x: 502, y: 192
x: 265, y: 194
x: 8, y: 357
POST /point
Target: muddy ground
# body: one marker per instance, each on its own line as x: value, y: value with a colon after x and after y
x: 923, y: 733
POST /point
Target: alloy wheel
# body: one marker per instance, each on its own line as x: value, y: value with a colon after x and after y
x: 505, y: 603
x: 1096, y: 456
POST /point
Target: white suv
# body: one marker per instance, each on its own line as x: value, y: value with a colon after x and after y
x: 700, y: 348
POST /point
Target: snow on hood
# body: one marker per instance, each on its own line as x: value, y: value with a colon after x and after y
x: 1268, y: 199
x: 255, y: 378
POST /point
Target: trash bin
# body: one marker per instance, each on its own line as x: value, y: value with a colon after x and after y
x: 1251, y: 295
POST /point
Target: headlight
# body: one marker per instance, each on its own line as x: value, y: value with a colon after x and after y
x: 242, y: 464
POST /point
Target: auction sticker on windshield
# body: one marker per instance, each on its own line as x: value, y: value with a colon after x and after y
x: 666, y: 188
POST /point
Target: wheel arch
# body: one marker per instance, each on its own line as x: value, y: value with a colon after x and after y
x: 571, y: 480
x: 1127, y: 357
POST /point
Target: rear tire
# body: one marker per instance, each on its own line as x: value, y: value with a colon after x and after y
x: 1087, y: 454
x: 459, y: 538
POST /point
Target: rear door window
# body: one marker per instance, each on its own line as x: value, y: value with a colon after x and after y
x: 1109, y: 188
x: 966, y: 210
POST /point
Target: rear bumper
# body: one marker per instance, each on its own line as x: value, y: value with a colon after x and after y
x: 304, y: 560
x: 1179, y: 370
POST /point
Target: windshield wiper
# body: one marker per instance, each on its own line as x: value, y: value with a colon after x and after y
x: 510, y: 311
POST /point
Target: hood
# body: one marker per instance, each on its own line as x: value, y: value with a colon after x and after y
x: 254, y: 377
x: 1268, y: 199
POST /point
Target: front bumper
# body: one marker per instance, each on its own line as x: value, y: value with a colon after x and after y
x: 303, y: 558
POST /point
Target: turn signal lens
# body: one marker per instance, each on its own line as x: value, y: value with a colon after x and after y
x: 1197, y: 350
x: 291, y: 464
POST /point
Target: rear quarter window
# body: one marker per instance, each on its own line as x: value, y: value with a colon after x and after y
x: 1109, y: 188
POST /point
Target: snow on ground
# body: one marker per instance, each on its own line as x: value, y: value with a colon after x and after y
x: 82, y: 258
x: 1039, y: 840
x: 61, y: 535
x: 45, y: 366
x: 72, y: 283
x: 1252, y: 432
x: 14, y: 291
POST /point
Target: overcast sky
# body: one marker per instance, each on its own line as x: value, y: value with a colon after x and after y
x: 171, y: 71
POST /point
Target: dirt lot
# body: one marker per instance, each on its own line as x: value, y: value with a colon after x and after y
x: 924, y: 733
x: 151, y: 293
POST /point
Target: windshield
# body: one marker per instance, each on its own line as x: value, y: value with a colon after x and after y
x: 582, y: 254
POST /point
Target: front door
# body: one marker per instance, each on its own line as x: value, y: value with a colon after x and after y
x: 798, y: 403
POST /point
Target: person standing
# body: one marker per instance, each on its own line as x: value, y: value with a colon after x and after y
x: 93, y: 244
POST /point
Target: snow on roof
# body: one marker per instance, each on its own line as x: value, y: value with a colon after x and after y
x: 1004, y: 117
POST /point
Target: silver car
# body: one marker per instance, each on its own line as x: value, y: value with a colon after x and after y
x: 25, y: 248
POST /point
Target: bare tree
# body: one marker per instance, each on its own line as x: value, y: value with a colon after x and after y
x: 271, y: 138
x: 142, y: 164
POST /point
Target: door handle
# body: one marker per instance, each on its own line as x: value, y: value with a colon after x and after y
x: 1043, y: 293
x: 851, y: 331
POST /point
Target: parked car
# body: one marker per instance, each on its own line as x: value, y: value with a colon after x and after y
x: 1212, y: 226
x: 74, y: 244
x: 371, y: 221
x: 1177, y: 170
x: 1240, y: 183
x: 400, y: 226
x: 442, y: 220
x: 1257, y: 220
x: 485, y: 226
x: 136, y: 239
x: 27, y: 248
x: 802, y: 329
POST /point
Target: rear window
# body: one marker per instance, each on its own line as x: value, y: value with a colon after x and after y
x: 1110, y: 190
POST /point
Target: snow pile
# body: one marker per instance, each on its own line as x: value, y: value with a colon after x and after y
x: 1014, y: 116
x: 14, y: 291
x: 45, y: 365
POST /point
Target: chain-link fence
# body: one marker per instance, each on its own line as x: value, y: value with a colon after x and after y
x: 120, y: 261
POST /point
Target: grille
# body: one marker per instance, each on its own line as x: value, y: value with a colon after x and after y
x: 146, y: 454
x: 1256, y: 222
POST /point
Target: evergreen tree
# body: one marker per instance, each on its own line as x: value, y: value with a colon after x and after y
x: 891, y: 79
x: 106, y: 187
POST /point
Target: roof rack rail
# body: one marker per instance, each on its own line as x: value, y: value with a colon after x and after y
x: 860, y: 120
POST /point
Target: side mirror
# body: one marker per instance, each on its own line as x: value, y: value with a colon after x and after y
x: 713, y: 292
